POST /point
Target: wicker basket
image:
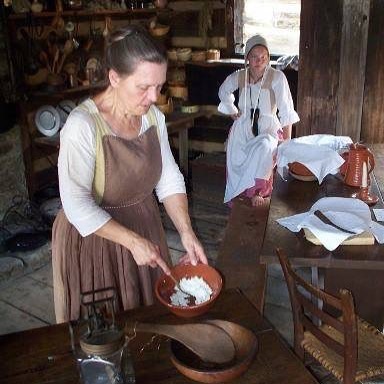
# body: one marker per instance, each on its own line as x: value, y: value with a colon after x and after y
x: 184, y: 54
x: 213, y: 54
x: 179, y: 91
x: 172, y: 54
x: 199, y: 55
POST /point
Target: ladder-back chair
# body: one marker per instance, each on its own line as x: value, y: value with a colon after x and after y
x: 347, y: 346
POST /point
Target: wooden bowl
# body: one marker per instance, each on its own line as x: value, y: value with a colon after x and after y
x: 165, y: 288
x: 299, y: 169
x: 191, y: 366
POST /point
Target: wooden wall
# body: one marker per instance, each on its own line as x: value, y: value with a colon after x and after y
x: 341, y: 71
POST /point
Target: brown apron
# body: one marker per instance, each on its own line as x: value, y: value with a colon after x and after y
x: 132, y: 170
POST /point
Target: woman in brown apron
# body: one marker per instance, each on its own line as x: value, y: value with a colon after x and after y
x: 114, y: 153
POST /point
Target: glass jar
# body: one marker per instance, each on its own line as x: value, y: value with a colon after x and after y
x: 110, y: 368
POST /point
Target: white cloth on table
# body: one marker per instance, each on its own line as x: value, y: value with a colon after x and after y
x: 331, y: 141
x: 76, y: 167
x: 317, y: 152
x: 250, y: 157
x: 348, y: 213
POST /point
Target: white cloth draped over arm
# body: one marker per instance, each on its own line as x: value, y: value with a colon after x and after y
x: 76, y: 171
x: 284, y: 102
x: 226, y: 96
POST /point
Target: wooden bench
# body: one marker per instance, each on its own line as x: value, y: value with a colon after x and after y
x: 239, y: 253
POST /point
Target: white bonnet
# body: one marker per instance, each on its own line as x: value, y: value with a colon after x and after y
x: 253, y: 41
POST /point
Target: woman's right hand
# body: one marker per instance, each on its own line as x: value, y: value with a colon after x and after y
x: 146, y: 253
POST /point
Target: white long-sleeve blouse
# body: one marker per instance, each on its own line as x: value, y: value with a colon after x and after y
x: 269, y: 122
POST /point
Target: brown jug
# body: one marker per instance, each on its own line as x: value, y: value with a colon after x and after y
x: 353, y: 167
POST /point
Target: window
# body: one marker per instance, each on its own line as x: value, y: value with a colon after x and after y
x: 277, y: 20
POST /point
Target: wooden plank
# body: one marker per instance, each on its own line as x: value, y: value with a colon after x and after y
x: 238, y: 258
x: 354, y: 38
x: 373, y: 117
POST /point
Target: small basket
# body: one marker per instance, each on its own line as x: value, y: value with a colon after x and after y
x: 199, y: 55
x: 213, y: 54
x: 184, y: 54
x: 179, y: 91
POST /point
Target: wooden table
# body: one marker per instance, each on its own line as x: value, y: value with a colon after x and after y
x: 44, y: 355
x: 177, y: 123
x: 359, y: 268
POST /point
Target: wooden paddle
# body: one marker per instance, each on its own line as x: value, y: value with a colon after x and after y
x: 208, y: 341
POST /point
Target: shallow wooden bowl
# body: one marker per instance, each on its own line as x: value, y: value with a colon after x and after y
x: 165, y: 288
x: 159, y: 30
x: 191, y: 366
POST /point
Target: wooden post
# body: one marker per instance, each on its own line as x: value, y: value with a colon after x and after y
x: 354, y: 37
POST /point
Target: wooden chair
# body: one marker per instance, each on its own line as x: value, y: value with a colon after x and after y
x: 347, y: 346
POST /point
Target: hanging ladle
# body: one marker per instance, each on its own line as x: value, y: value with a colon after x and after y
x: 209, y: 342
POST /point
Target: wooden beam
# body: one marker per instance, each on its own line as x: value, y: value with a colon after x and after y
x: 320, y: 31
x: 373, y: 106
x: 354, y: 37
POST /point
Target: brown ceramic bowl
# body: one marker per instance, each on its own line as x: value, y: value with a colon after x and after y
x: 299, y: 169
x: 165, y: 288
x: 191, y: 366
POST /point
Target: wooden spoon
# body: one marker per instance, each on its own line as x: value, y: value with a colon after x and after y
x: 68, y: 48
x: 208, y: 341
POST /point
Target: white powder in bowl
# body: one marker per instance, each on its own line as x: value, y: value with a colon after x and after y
x: 196, y: 286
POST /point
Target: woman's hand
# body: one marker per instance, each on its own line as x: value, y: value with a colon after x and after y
x: 143, y: 251
x: 195, y: 252
x: 146, y: 253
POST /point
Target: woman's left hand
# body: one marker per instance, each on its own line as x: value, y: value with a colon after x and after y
x: 195, y: 252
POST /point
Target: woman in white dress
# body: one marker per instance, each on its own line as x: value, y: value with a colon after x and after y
x: 263, y: 119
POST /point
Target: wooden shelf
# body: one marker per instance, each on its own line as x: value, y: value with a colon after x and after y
x: 86, y: 13
x: 68, y: 91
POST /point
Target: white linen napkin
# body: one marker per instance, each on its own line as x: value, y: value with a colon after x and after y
x: 349, y: 213
x: 317, y: 152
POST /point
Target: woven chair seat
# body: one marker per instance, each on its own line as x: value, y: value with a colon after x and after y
x: 370, y: 351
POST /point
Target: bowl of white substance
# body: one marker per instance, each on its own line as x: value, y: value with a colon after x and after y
x: 202, y: 281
